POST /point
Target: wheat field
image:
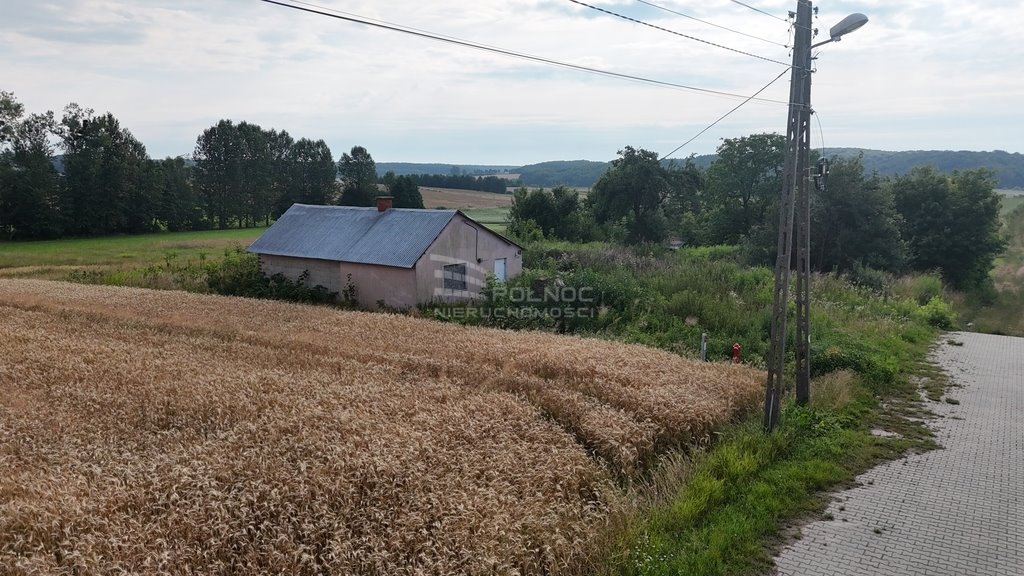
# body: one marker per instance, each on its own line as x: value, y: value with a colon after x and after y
x: 165, y: 432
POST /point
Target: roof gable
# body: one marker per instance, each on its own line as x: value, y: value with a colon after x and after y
x: 395, y: 237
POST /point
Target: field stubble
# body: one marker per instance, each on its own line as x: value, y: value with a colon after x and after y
x: 151, y: 431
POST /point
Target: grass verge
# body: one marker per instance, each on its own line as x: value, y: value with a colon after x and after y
x: 731, y: 513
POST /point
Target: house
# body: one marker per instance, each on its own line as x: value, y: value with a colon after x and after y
x: 396, y: 256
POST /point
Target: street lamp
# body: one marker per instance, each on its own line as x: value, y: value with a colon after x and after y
x: 795, y: 192
x: 844, y: 27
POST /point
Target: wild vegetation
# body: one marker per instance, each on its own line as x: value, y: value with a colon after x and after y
x: 148, y: 430
x: 1001, y: 311
x: 921, y: 222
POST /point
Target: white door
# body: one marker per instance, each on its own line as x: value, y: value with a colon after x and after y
x: 499, y: 269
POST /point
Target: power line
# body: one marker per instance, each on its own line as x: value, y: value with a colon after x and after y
x: 724, y: 116
x: 758, y: 10
x: 687, y: 36
x: 821, y: 132
x: 677, y: 13
x: 467, y: 44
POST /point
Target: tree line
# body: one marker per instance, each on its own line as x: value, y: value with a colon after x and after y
x: 240, y: 174
x: 924, y: 220
x: 463, y: 182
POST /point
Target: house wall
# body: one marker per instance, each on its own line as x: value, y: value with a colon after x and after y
x: 322, y: 272
x: 395, y: 286
x: 464, y: 241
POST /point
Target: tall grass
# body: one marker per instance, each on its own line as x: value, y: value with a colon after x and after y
x: 1002, y: 311
x: 668, y: 299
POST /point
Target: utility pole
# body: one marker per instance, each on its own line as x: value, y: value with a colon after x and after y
x: 794, y: 186
x: 803, y: 230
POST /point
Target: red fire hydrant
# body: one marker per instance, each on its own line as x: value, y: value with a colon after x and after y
x: 736, y: 353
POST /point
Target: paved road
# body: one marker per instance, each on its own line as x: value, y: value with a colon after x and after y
x: 954, y: 511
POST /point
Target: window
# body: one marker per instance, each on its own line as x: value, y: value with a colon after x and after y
x: 455, y: 277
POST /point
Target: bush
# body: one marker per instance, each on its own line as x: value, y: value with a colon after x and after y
x: 875, y: 280
x: 239, y: 274
x: 938, y: 314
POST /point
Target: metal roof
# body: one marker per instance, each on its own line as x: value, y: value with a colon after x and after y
x: 395, y: 237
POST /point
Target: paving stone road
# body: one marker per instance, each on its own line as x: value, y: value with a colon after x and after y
x: 954, y: 511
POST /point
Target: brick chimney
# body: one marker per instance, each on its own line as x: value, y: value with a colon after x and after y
x: 384, y: 203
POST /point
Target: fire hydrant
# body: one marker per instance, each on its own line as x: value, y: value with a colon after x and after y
x: 736, y: 353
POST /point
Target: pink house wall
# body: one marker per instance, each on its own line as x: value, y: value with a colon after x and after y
x: 464, y: 242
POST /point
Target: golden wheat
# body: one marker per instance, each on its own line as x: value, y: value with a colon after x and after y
x: 160, y: 432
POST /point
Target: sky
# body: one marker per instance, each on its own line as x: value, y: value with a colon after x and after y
x: 921, y: 75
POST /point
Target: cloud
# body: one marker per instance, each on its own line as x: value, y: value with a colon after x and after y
x: 169, y: 69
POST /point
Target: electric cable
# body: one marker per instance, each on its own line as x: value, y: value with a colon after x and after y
x: 687, y: 36
x: 724, y: 116
x: 758, y: 10
x: 712, y: 24
x: 521, y: 55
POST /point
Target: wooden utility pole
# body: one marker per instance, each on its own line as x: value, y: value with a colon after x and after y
x: 794, y: 186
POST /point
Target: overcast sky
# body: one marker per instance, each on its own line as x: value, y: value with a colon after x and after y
x: 935, y: 74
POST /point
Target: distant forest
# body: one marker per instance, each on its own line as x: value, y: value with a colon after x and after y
x: 412, y: 168
x: 461, y: 182
x: 1008, y: 167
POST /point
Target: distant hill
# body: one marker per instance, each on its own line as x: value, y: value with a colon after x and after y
x: 563, y: 173
x: 1009, y: 168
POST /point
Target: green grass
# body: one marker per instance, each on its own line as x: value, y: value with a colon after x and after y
x: 119, y: 251
x: 493, y: 218
x: 728, y: 517
x: 495, y: 215
x: 1010, y: 203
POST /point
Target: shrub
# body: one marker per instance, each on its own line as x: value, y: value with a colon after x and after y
x: 239, y: 274
x: 938, y: 314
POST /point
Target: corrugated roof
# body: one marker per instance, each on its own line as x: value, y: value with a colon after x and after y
x: 395, y: 237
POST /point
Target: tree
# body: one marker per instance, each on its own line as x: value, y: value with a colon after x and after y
x: 405, y: 192
x: 11, y: 112
x: 280, y: 151
x: 631, y: 194
x: 107, y: 188
x: 28, y: 182
x: 854, y: 221
x: 312, y: 174
x: 951, y: 223
x: 178, y: 206
x: 684, y: 207
x: 744, y: 184
x: 255, y: 184
x: 359, y: 178
x: 557, y: 213
x: 218, y: 167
